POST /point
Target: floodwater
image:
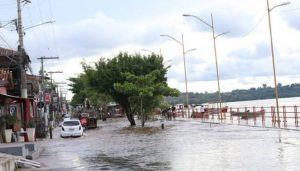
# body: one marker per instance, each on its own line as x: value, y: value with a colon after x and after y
x: 184, y: 144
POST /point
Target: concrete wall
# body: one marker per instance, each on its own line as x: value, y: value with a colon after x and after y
x: 7, y: 164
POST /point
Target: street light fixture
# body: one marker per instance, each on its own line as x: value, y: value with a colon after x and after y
x: 212, y: 27
x: 272, y: 52
x: 184, y: 64
x: 282, y: 4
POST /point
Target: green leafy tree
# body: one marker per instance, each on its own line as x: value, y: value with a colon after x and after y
x: 79, y: 89
x: 144, y: 92
x: 82, y: 90
x: 108, y: 76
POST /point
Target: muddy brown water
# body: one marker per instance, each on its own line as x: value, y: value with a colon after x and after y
x: 182, y: 145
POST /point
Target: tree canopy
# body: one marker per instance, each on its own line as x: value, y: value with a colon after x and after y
x: 128, y: 79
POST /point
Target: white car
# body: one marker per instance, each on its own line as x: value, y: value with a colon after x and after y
x: 71, y: 128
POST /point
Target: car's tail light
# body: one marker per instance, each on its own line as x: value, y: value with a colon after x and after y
x: 79, y: 127
x: 63, y: 128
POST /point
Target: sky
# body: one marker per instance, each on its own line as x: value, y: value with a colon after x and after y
x: 85, y: 30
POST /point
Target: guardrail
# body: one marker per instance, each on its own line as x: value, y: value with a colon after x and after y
x: 252, y: 116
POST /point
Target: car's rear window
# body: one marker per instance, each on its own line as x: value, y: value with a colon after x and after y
x: 71, y: 123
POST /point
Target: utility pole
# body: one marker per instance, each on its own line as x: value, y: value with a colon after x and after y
x: 51, y: 73
x: 42, y: 67
x: 23, y: 84
x: 43, y: 88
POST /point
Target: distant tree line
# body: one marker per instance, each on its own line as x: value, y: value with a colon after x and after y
x: 264, y: 92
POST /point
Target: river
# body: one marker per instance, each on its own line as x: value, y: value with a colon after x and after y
x: 267, y: 102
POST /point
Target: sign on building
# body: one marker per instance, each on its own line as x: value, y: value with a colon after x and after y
x: 47, y: 97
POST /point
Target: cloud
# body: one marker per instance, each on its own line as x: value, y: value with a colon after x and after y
x: 292, y: 18
x: 98, y: 34
x: 234, y: 19
x: 104, y: 29
x: 259, y: 51
x: 291, y: 14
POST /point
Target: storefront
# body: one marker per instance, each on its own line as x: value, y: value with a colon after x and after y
x: 19, y: 110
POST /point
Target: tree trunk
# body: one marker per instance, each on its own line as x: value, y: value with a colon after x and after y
x: 2, y: 129
x: 130, y: 117
x: 143, y: 120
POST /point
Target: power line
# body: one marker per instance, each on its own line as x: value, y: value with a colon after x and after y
x: 255, y: 26
x: 53, y: 29
x: 42, y: 20
x: 34, y: 31
x: 2, y: 38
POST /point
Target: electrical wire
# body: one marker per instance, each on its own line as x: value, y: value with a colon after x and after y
x: 53, y: 29
x: 42, y: 20
x: 2, y: 38
x: 255, y: 26
x: 34, y: 30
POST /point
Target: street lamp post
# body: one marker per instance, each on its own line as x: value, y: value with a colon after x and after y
x: 273, y: 58
x: 184, y: 65
x: 212, y: 27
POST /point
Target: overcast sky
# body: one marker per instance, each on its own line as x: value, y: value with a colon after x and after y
x: 90, y: 29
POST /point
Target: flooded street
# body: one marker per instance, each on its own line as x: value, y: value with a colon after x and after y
x: 182, y: 145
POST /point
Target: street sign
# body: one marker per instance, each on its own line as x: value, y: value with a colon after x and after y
x: 47, y: 98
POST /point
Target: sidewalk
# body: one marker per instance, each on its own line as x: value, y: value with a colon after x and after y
x: 7, y: 162
x: 29, y: 150
x: 9, y: 154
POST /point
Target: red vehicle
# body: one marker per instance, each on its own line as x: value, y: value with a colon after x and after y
x: 88, y: 120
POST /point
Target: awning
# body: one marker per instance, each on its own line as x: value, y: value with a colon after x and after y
x: 8, y: 99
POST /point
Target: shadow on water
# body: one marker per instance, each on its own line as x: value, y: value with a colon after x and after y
x: 105, y: 162
x: 140, y: 130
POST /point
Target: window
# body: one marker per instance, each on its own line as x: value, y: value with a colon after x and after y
x: 71, y: 123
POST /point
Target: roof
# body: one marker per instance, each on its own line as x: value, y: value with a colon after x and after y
x: 13, y: 97
x: 7, y: 52
x: 33, y: 78
x: 9, y: 58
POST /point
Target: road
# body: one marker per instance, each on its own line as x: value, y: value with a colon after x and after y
x: 182, y: 145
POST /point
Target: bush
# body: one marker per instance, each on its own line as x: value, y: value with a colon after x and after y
x: 31, y: 124
x: 8, y: 120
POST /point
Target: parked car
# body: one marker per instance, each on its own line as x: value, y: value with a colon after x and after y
x: 88, y: 120
x: 71, y: 128
x: 67, y: 115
